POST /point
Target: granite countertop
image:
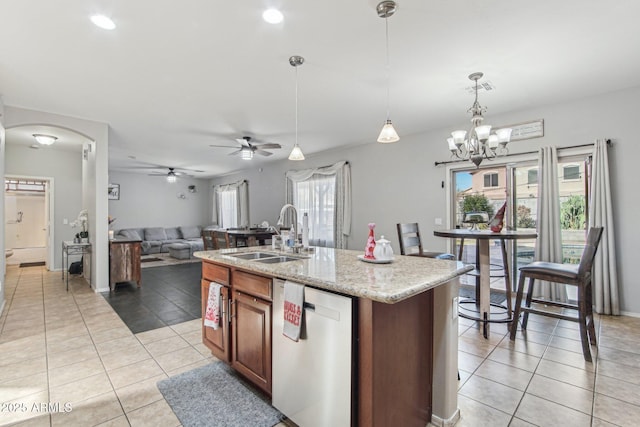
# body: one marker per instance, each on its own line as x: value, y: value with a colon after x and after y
x: 341, y: 271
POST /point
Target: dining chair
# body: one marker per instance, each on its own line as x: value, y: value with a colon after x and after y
x: 221, y: 239
x: 570, y: 274
x: 208, y: 240
x: 411, y: 243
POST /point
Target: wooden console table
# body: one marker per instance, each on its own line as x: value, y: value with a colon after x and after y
x: 124, y: 261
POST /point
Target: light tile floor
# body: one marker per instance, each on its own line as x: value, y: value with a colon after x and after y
x: 58, y: 348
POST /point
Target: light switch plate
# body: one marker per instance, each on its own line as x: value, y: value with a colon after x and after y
x: 438, y: 221
x: 454, y: 308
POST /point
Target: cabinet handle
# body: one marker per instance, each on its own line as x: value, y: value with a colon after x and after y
x: 230, y: 314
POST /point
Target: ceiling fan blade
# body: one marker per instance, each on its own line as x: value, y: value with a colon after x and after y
x: 220, y: 146
x: 270, y: 145
x: 244, y: 142
x: 157, y: 174
x: 263, y: 153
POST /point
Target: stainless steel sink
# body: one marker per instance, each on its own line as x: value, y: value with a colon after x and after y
x: 277, y: 259
x: 254, y: 255
x: 267, y: 257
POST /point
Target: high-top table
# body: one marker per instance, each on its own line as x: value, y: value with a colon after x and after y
x: 483, y: 302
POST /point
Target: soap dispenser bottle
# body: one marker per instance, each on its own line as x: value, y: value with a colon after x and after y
x: 305, y: 230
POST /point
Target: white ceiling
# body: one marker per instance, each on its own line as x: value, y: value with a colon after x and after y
x: 175, y: 77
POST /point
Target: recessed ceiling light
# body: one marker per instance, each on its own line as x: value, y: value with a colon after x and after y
x: 103, y: 22
x: 272, y: 16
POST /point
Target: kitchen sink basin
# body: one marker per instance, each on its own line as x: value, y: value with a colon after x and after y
x: 254, y: 255
x: 267, y: 257
x: 277, y: 259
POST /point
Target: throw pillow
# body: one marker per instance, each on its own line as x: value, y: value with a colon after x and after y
x: 173, y: 233
x: 190, y: 232
x: 130, y: 234
x: 155, y: 233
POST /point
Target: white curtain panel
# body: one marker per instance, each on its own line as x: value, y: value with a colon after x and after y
x: 341, y: 172
x: 549, y: 243
x: 240, y: 198
x: 605, y: 278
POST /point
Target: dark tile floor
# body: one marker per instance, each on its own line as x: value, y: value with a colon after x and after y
x: 168, y: 295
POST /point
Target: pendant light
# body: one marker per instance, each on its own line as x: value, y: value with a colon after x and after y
x: 388, y: 134
x: 296, y: 153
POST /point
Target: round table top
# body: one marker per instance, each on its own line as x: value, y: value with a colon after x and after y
x: 486, y: 234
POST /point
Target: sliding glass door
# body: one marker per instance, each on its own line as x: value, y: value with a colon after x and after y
x: 486, y: 189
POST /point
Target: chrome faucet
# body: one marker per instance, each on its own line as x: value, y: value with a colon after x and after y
x: 296, y: 246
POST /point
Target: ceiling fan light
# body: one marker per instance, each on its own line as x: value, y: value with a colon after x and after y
x: 272, y: 16
x: 44, y: 139
x: 246, y: 154
x: 171, y: 178
x: 103, y: 22
x: 388, y: 134
x: 296, y: 153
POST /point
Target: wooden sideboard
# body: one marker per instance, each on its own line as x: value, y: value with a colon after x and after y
x: 124, y: 261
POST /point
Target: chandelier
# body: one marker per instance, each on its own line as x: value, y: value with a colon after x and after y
x: 479, y: 143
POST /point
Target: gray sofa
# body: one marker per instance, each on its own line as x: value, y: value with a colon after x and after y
x: 160, y: 239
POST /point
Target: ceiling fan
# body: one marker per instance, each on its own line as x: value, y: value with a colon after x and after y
x: 173, y: 173
x: 247, y: 148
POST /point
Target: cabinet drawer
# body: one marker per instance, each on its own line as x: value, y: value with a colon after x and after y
x: 215, y: 273
x: 250, y: 283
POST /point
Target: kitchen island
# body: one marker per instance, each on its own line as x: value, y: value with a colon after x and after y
x: 404, y: 330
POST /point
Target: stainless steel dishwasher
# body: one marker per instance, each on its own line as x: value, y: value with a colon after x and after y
x: 312, y: 378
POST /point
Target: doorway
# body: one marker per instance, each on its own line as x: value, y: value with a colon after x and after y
x: 27, y: 221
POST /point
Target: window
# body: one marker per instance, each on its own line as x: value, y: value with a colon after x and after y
x: 324, y: 194
x: 231, y: 205
x: 316, y: 197
x: 228, y: 209
x: 532, y: 176
x: 491, y: 179
x: 571, y: 172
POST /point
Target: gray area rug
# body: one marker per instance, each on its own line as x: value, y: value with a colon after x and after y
x: 213, y: 395
x: 164, y: 259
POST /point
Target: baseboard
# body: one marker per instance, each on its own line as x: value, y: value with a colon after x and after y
x: 629, y: 313
x: 439, y: 422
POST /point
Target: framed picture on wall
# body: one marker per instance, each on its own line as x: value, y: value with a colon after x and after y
x: 114, y: 191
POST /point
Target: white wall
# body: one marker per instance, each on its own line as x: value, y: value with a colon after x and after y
x: 150, y: 201
x: 399, y: 182
x: 65, y: 168
x: 2, y: 219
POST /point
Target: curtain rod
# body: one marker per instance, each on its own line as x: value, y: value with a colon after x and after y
x: 520, y: 154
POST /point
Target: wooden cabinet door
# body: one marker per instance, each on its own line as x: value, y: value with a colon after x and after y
x: 251, y: 330
x: 124, y: 262
x: 217, y: 340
